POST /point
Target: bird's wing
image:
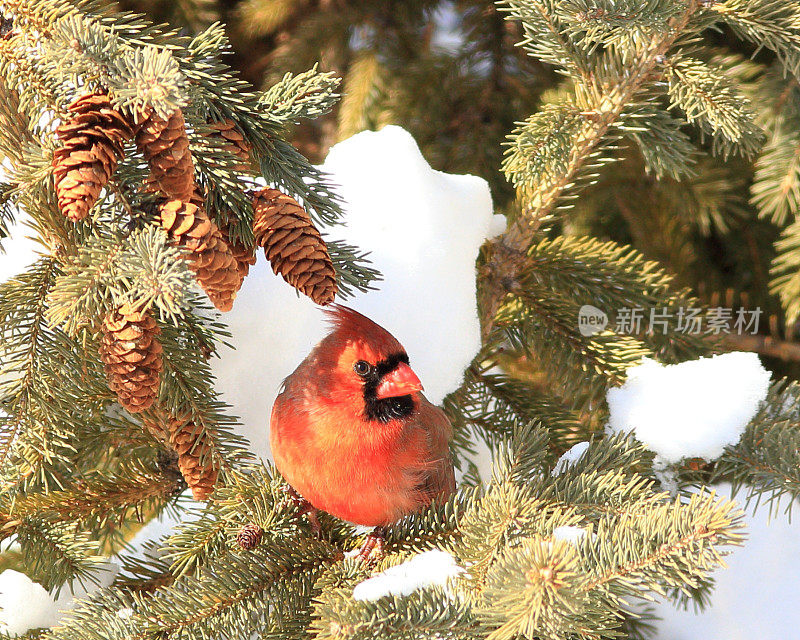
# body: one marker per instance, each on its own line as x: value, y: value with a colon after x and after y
x: 439, y: 480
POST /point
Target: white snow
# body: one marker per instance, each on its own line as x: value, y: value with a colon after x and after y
x: 423, y: 229
x: 497, y: 226
x: 569, y: 534
x: 25, y: 605
x: 426, y: 569
x: 666, y: 474
x: 689, y: 410
x: 570, y: 457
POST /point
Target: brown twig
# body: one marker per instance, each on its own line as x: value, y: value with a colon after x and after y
x: 765, y: 345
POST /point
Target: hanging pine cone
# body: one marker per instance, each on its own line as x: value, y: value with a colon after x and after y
x: 131, y: 353
x: 194, y: 449
x: 293, y: 245
x: 249, y: 536
x: 207, y: 252
x: 165, y: 146
x: 245, y: 256
x: 92, y: 143
x: 233, y: 141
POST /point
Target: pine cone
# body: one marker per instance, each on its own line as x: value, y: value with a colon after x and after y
x: 93, y: 142
x: 249, y: 536
x: 209, y: 255
x: 234, y: 141
x: 165, y: 146
x: 131, y: 353
x: 245, y: 256
x: 293, y: 245
x: 195, y: 462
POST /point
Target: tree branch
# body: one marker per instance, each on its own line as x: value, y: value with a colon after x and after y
x: 509, y: 252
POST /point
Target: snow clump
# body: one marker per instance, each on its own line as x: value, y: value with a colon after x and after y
x: 689, y: 410
x: 425, y: 569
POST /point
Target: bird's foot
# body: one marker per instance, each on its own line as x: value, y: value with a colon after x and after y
x: 373, y: 547
x: 304, y: 508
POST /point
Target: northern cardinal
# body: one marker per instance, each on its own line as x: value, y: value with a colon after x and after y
x: 353, y: 434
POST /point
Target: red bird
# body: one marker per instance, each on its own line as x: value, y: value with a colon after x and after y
x: 351, y: 432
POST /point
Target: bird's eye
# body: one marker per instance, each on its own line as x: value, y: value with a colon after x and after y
x: 362, y: 367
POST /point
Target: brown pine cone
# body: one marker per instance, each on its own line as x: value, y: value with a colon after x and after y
x: 293, y: 245
x: 245, y: 256
x: 131, y: 353
x: 165, y: 146
x: 249, y: 536
x: 93, y: 142
x: 207, y: 252
x: 194, y: 449
x: 234, y: 141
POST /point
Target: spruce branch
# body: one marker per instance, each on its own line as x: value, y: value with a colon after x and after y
x: 7, y: 211
x: 498, y: 405
x: 102, y: 503
x: 769, y: 23
x: 776, y: 188
x: 775, y: 191
x: 22, y: 390
x: 363, y: 86
x: 172, y: 63
x: 56, y: 553
x: 32, y: 91
x: 430, y: 613
x: 665, y: 147
x: 766, y: 345
x: 304, y: 95
x: 709, y: 100
x: 508, y: 252
x: 616, y: 22
x: 764, y: 464
x: 226, y: 602
x: 545, y: 38
x: 785, y: 270
x: 537, y: 322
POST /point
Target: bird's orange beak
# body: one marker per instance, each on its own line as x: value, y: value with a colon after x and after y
x: 401, y: 381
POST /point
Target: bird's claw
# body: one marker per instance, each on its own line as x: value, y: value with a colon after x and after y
x: 373, y: 548
x: 304, y: 507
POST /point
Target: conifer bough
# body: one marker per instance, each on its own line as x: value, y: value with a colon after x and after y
x: 93, y: 142
x: 293, y: 245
